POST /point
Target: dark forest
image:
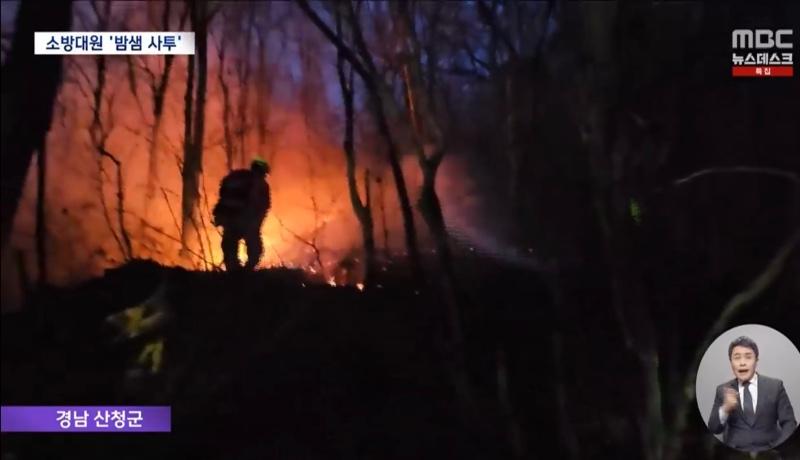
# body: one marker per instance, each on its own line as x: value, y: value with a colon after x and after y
x: 497, y: 229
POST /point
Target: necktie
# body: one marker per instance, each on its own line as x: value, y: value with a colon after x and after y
x: 749, y: 413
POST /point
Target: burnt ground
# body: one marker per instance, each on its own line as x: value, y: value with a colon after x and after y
x: 272, y: 365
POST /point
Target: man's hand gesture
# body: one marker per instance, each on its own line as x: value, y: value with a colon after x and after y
x: 731, y: 400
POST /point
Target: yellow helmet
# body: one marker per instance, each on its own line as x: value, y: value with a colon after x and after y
x: 260, y: 163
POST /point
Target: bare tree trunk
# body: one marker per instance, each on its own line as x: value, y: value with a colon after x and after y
x: 412, y: 246
x: 386, y: 249
x: 106, y: 216
x: 513, y: 429
x: 41, y: 225
x: 243, y: 71
x: 188, y: 110
x: 98, y: 133
x: 603, y: 138
x: 427, y: 132
x: 508, y: 89
x: 193, y: 161
x: 425, y: 127
x: 24, y: 278
x: 512, y: 143
x: 152, y: 166
x: 128, y: 249
x: 159, y: 85
x: 363, y: 211
x: 569, y: 438
x: 29, y: 88
x: 202, y: 78
x: 263, y: 90
x: 629, y: 299
x: 378, y: 96
x: 226, y: 105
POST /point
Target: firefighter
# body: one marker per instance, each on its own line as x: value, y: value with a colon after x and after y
x: 244, y: 199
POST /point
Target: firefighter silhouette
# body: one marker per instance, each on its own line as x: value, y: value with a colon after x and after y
x: 244, y: 199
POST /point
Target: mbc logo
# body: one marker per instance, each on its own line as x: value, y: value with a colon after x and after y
x: 761, y: 38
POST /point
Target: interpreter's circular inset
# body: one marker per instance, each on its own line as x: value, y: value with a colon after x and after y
x: 747, y: 382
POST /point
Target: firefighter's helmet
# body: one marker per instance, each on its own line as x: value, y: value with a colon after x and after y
x: 260, y: 163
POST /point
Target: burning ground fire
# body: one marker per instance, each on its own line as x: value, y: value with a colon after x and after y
x: 346, y: 271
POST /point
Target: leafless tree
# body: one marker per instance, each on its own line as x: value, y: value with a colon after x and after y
x: 430, y: 143
x: 515, y: 66
x: 29, y: 87
x: 159, y: 84
x: 99, y: 132
x: 189, y: 194
x: 264, y: 80
x: 194, y: 133
x: 310, y: 241
x: 383, y: 103
x: 41, y: 224
x: 384, y: 225
x: 362, y: 209
x: 360, y: 58
x: 226, y: 98
x: 243, y: 70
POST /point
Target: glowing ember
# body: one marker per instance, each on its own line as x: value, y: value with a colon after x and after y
x: 332, y: 281
x: 360, y: 286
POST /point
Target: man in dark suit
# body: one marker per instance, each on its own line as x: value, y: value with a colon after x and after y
x: 752, y: 410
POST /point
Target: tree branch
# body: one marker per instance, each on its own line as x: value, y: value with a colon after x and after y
x: 120, y: 201
x: 464, y: 72
x: 309, y: 243
x: 738, y: 170
x: 342, y: 47
x: 171, y: 212
x: 488, y: 17
x: 358, y: 36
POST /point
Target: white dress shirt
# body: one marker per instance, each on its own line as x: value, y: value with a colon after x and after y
x: 723, y: 416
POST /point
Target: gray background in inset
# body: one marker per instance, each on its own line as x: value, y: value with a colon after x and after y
x: 777, y: 358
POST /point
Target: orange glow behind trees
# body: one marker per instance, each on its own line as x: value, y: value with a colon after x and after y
x: 285, y: 114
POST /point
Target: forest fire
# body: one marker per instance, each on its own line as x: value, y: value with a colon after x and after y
x: 115, y: 187
x: 311, y: 223
x: 310, y: 219
x: 310, y: 211
x: 445, y: 212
